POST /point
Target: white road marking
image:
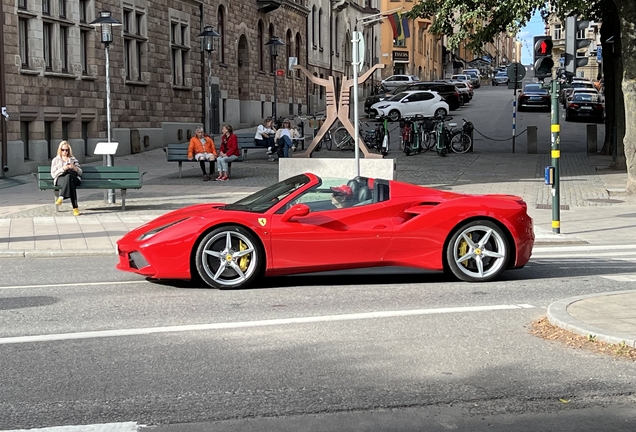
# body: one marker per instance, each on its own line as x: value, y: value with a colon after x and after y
x: 247, y: 324
x: 105, y: 427
x: 72, y: 285
x: 627, y: 277
x: 541, y: 249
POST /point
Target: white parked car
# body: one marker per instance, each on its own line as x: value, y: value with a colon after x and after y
x: 397, y: 80
x: 409, y: 103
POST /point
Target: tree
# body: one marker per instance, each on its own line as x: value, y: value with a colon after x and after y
x: 479, y: 21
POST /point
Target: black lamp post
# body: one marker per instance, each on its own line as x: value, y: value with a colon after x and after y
x: 273, y: 44
x: 207, y: 37
x: 106, y: 23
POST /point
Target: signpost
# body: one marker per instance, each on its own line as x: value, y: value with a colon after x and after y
x: 516, y: 72
x: 292, y: 61
x: 358, y: 58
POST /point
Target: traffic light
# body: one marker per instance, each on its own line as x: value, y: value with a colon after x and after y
x: 543, y: 61
x: 573, y: 44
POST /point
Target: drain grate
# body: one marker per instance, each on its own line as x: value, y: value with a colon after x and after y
x: 605, y: 200
x: 549, y: 207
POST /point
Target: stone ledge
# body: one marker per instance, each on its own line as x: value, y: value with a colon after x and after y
x: 337, y: 168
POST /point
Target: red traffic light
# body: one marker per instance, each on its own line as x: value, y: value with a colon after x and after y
x: 543, y: 46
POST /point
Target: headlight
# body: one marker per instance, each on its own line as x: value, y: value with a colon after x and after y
x: 148, y: 234
x: 383, y: 106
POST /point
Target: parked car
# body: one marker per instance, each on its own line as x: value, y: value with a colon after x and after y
x: 465, y: 90
x: 475, y: 77
x: 533, y: 96
x: 450, y: 94
x: 584, y: 90
x: 231, y: 246
x: 397, y: 80
x: 461, y: 77
x: 409, y: 103
x: 576, y: 84
x: 584, y: 104
x: 500, y: 78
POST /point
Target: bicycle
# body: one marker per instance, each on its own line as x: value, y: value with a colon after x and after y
x: 344, y: 140
x: 414, y: 136
x: 461, y: 140
x: 442, y: 135
x: 315, y: 122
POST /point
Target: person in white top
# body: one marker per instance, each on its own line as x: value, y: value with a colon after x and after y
x: 284, y: 137
x: 265, y: 135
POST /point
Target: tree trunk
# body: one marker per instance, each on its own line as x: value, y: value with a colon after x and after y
x: 609, y: 30
x: 627, y: 45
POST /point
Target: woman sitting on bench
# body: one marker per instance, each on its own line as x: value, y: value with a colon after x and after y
x: 228, y: 152
x: 66, y: 173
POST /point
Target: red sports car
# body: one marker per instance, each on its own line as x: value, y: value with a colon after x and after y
x: 308, y: 224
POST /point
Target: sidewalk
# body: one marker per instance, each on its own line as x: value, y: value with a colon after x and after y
x: 594, y: 211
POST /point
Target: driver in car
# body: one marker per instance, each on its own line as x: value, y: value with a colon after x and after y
x: 341, y: 196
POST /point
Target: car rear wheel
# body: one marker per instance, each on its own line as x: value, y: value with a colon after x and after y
x: 478, y: 251
x: 229, y: 257
x: 440, y: 112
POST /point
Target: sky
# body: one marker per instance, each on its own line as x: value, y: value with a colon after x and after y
x: 534, y: 27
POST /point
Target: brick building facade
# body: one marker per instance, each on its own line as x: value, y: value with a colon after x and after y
x: 55, y: 72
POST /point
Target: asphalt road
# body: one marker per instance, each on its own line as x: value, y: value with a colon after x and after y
x: 95, y: 346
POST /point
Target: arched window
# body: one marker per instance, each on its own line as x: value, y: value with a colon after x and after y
x: 271, y: 59
x: 261, y: 45
x: 314, y: 16
x: 298, y: 45
x: 220, y: 28
x: 288, y: 51
x: 320, y: 28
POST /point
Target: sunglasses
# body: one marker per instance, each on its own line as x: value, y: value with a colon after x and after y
x: 64, y: 149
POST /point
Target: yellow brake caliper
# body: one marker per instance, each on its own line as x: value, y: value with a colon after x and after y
x: 463, y: 249
x: 244, y: 261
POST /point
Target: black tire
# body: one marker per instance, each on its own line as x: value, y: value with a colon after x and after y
x: 443, y: 152
x: 440, y: 112
x: 229, y: 257
x: 340, y: 135
x: 394, y: 115
x: 407, y: 150
x: 461, y: 142
x: 484, y: 246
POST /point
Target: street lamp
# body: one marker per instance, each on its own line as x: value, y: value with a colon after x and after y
x: 106, y: 23
x: 273, y: 44
x: 207, y: 36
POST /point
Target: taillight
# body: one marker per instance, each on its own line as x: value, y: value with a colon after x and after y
x: 598, y: 107
x: 573, y: 105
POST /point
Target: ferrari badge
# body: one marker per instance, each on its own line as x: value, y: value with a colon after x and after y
x: 262, y: 221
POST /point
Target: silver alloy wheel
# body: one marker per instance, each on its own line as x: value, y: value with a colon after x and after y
x: 394, y: 115
x: 229, y: 258
x: 478, y: 252
x: 440, y: 112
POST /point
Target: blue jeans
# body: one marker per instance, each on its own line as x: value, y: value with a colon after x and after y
x: 224, y: 161
x: 286, y: 144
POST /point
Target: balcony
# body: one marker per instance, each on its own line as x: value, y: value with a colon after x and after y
x: 267, y: 6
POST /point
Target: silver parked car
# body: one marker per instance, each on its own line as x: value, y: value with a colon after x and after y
x: 397, y: 80
x: 500, y: 78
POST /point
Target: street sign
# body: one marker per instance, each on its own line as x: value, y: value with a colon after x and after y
x: 562, y: 61
x: 292, y: 61
x: 599, y: 53
x: 357, y: 36
x: 280, y: 72
x: 516, y: 72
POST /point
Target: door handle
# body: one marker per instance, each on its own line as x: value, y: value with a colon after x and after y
x: 379, y: 227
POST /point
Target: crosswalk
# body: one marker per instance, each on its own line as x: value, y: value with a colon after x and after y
x: 618, y: 262
x: 104, y: 427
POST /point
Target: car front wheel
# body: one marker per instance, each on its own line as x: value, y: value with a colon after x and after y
x: 478, y: 251
x: 440, y: 112
x: 394, y: 115
x: 229, y: 257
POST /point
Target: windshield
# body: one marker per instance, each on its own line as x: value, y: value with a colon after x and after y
x: 265, y: 199
x: 398, y: 97
x: 585, y: 97
x: 534, y: 88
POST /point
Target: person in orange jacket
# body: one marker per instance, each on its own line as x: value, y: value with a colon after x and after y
x: 201, y: 148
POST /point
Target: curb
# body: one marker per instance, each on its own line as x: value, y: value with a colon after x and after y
x: 56, y: 253
x: 558, y: 316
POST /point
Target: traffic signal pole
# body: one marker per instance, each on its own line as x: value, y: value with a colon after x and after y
x: 555, y: 141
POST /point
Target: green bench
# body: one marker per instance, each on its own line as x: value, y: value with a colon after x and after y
x: 97, y: 177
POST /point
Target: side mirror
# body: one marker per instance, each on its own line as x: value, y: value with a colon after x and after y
x: 298, y: 210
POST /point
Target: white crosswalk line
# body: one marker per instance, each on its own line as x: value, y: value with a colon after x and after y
x: 104, y: 427
x: 614, y: 252
x: 626, y: 277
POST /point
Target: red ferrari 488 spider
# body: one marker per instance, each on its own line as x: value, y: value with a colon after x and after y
x: 308, y: 224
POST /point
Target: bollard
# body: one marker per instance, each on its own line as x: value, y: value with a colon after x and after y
x: 592, y: 145
x: 532, y: 139
x: 472, y: 141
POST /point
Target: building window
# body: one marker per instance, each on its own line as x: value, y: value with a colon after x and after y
x: 46, y: 36
x: 62, y: 8
x: 24, y: 137
x: 180, y: 47
x: 46, y: 7
x: 139, y: 23
x: 64, y: 48
x: 261, y: 46
x: 271, y: 58
x: 221, y: 30
x: 335, y: 37
x: 399, y: 42
x: 288, y: 51
x: 314, y: 15
x: 320, y: 28
x: 126, y: 23
x: 24, y: 41
x: 298, y: 45
x: 22, y: 4
x: 135, y: 43
x: 82, y: 10
x: 85, y: 136
x: 65, y: 125
x: 127, y: 58
x: 84, y: 50
x: 557, y: 31
x: 47, y: 137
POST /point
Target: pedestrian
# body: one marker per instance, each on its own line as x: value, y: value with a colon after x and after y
x: 285, y: 137
x: 342, y: 196
x: 201, y: 148
x: 66, y: 173
x: 228, y: 152
x: 265, y: 135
